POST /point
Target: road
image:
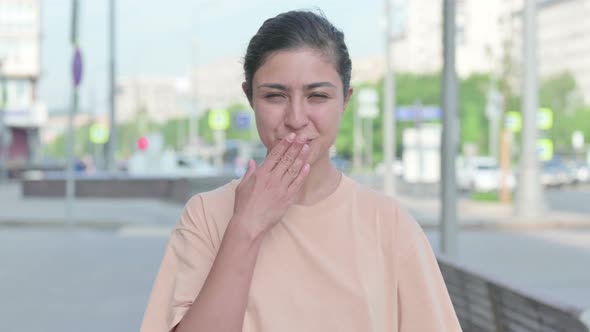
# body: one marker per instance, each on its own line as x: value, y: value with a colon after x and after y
x: 572, y: 199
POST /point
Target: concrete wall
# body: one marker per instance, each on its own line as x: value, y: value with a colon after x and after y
x: 177, y: 190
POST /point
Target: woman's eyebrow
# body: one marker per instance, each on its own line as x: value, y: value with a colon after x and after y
x: 273, y: 86
x: 318, y: 85
x: 310, y: 86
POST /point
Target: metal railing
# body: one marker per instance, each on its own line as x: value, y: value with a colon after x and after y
x: 484, y: 304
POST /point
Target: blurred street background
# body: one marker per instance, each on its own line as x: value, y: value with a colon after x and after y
x: 114, y: 113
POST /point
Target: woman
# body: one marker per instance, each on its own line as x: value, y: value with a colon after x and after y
x: 295, y: 245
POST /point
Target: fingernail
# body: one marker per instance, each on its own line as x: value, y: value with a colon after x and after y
x: 291, y: 137
x: 301, y: 139
x: 305, y: 147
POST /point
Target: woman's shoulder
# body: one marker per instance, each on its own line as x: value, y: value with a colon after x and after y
x: 389, y: 210
x: 213, y: 206
x: 373, y: 199
x: 218, y: 195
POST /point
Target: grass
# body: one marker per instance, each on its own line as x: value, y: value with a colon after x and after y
x: 487, y: 196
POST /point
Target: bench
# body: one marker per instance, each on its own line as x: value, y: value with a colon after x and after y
x: 483, y: 304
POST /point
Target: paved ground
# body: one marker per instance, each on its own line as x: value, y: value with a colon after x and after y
x: 98, y: 277
x: 90, y: 280
x: 16, y: 210
x: 565, y: 208
x: 84, y: 280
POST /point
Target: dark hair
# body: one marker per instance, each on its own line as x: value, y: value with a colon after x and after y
x: 293, y: 30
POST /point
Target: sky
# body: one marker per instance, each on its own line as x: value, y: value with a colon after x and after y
x: 166, y: 38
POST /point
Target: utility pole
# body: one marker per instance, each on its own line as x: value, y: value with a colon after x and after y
x: 357, y: 162
x: 76, y: 79
x: 389, y: 108
x: 529, y: 202
x: 449, y: 228
x: 3, y: 128
x: 194, y: 115
x: 111, y: 161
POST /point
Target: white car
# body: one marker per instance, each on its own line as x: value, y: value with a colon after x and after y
x: 481, y: 174
x: 397, y: 168
x: 194, y: 166
x: 581, y: 171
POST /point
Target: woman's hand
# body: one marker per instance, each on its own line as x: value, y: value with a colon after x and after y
x: 266, y: 192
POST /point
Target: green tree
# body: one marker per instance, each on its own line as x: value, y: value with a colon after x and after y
x: 424, y: 89
x: 560, y: 93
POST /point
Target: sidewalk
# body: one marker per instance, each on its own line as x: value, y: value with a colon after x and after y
x: 115, y: 213
x: 473, y: 214
x: 424, y: 204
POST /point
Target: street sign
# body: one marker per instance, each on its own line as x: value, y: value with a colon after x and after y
x: 513, y: 121
x: 99, y: 133
x: 368, y: 99
x: 494, y: 104
x: 219, y: 119
x: 242, y: 120
x: 545, y: 149
x: 414, y: 113
x: 544, y: 118
x: 77, y: 67
x: 578, y: 140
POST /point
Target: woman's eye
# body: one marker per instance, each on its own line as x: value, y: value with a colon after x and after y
x: 273, y: 95
x: 317, y: 96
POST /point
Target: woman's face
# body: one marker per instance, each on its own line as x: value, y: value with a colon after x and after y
x: 298, y: 91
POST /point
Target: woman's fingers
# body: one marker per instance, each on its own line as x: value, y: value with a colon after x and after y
x: 268, y: 192
x: 251, y: 169
x: 297, y: 165
x: 297, y: 183
x: 275, y: 155
x: 289, y: 157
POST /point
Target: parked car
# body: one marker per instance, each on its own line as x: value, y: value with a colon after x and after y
x: 580, y: 171
x: 397, y: 167
x: 194, y: 166
x: 555, y: 173
x: 481, y: 174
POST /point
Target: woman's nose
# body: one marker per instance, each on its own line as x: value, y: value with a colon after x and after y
x: 296, y: 117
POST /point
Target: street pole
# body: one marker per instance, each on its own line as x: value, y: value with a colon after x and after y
x: 112, y: 143
x: 530, y: 192
x: 419, y: 145
x: 494, y: 107
x: 3, y: 128
x: 449, y: 227
x: 194, y: 115
x: 389, y: 108
x: 357, y: 162
x: 76, y: 79
x: 369, y: 136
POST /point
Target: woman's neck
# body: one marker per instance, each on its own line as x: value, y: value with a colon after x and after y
x: 322, y: 180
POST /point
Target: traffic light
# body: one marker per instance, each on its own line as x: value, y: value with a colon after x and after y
x: 143, y: 143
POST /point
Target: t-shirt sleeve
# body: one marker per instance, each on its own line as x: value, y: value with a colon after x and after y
x: 424, y: 303
x: 187, y: 260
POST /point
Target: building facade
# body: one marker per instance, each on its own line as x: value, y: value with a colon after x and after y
x: 564, y: 41
x: 161, y: 98
x: 22, y: 113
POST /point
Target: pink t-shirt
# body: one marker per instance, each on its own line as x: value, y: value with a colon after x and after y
x: 355, y: 261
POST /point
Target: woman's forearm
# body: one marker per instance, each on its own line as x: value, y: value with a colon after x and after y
x: 221, y: 303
